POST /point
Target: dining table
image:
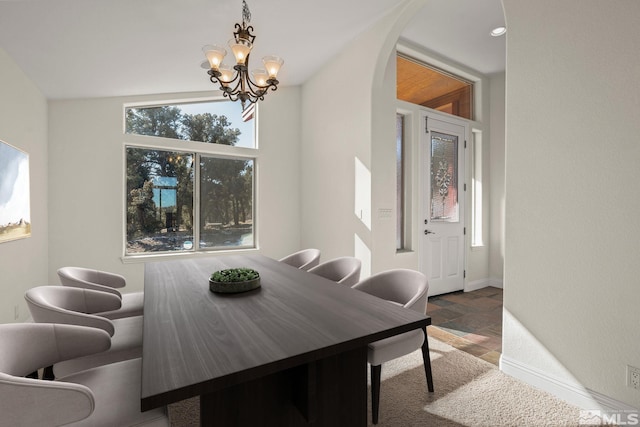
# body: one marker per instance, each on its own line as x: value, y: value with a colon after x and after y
x: 292, y: 352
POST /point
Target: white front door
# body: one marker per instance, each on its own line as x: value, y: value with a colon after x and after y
x: 443, y: 233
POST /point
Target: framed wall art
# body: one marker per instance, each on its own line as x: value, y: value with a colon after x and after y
x: 15, y: 210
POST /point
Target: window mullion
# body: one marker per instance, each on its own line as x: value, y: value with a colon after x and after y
x: 196, y: 201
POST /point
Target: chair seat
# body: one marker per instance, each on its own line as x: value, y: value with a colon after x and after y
x: 394, y: 347
x: 132, y: 305
x: 116, y: 388
x: 126, y: 343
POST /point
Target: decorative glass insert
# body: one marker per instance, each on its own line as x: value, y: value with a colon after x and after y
x: 444, y: 177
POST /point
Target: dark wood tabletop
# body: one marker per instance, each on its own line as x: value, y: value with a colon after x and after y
x: 197, y: 342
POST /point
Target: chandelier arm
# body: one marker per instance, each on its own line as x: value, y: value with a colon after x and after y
x: 214, y: 77
x: 250, y: 87
x: 231, y: 96
x: 233, y: 90
x: 255, y: 88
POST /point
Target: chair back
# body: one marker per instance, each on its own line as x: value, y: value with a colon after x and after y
x: 304, y: 259
x: 402, y: 286
x: 74, y: 306
x: 343, y: 270
x: 27, y: 347
x: 80, y: 277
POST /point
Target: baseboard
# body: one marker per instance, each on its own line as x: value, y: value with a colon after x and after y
x: 573, y: 393
x: 475, y: 285
x: 482, y: 283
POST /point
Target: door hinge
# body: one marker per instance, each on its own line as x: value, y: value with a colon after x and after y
x: 465, y: 186
x: 426, y: 124
x: 464, y: 274
x: 465, y: 143
x: 464, y: 231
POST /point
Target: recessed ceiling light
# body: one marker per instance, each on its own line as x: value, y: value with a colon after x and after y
x: 498, y: 31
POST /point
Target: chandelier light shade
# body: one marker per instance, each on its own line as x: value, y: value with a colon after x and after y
x: 235, y: 81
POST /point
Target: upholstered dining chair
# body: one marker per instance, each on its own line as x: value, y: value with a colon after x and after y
x: 343, y: 270
x: 304, y: 259
x: 407, y: 288
x: 75, y: 306
x: 86, y: 278
x: 104, y: 396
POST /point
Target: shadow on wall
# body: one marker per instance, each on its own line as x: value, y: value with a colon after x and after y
x: 556, y: 379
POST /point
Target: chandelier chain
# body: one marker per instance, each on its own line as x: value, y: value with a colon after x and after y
x: 246, y: 14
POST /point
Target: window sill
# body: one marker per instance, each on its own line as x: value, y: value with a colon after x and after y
x: 404, y: 251
x: 137, y: 259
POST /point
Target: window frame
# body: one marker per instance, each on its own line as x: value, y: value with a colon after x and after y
x: 401, y: 194
x: 409, y: 165
x: 477, y: 206
x: 465, y: 110
x: 197, y: 149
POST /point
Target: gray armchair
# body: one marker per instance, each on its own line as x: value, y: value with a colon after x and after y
x: 406, y: 288
x: 105, y: 396
x: 75, y: 306
x: 344, y: 270
x: 85, y: 278
x: 304, y: 259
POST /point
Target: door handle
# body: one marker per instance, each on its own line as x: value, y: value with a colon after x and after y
x: 426, y: 232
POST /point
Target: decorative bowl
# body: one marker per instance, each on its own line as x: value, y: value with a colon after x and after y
x: 234, y: 280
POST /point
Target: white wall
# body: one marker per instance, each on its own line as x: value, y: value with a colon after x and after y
x: 23, y: 124
x: 572, y: 198
x: 339, y: 128
x: 496, y: 155
x: 86, y: 180
x: 335, y: 129
x: 349, y: 138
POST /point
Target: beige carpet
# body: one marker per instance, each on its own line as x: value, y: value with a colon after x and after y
x: 468, y: 392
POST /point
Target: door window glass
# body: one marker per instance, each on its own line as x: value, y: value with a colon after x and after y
x: 444, y: 177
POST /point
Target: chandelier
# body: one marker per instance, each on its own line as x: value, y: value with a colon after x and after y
x: 235, y: 82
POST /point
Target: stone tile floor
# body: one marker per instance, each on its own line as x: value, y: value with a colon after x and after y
x: 469, y: 321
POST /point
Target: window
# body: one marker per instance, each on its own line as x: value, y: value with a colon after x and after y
x: 425, y: 85
x: 400, y: 189
x: 190, y: 183
x: 476, y: 188
x: 403, y: 181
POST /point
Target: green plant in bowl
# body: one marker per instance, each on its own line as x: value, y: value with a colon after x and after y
x: 233, y: 280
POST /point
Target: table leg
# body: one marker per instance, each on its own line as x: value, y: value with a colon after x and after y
x: 426, y: 359
x: 327, y: 392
